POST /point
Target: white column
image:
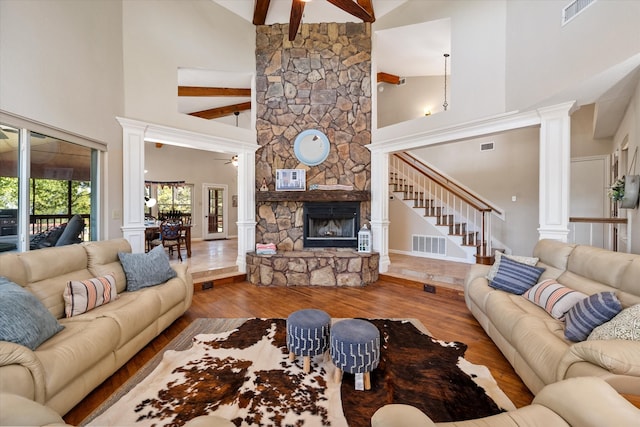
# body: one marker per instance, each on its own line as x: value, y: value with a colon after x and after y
x: 380, y: 207
x: 555, y: 172
x: 246, y: 207
x: 133, y: 184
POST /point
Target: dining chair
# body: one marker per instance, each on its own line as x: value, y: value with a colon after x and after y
x: 170, y: 236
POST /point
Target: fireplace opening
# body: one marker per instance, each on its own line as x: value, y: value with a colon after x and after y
x: 331, y: 224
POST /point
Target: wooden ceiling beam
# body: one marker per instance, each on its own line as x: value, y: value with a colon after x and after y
x: 260, y: 12
x: 215, y: 113
x: 368, y: 6
x: 297, y: 9
x: 212, y: 91
x: 355, y: 9
x: 388, y: 78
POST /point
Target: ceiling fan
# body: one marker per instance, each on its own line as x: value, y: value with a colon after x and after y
x: 233, y: 160
x: 361, y: 9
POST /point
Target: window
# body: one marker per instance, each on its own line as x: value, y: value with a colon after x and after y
x: 58, y: 186
x: 172, y: 198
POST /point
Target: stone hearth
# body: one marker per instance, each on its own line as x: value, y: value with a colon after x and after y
x: 313, y: 267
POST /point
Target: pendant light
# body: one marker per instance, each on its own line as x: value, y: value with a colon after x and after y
x: 445, y: 104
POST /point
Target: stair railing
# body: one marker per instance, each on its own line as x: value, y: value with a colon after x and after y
x: 466, y: 214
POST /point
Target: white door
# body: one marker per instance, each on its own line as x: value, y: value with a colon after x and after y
x: 214, y: 205
x: 589, y: 178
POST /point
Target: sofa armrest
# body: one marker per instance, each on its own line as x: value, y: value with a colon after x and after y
x: 588, y: 402
x: 476, y: 271
x: 19, y: 411
x: 183, y: 273
x: 400, y: 415
x: 15, y: 354
x: 620, y: 357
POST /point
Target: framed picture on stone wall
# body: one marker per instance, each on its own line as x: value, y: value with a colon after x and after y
x: 290, y: 180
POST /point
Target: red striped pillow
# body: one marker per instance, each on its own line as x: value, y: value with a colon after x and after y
x: 81, y: 296
x: 553, y: 297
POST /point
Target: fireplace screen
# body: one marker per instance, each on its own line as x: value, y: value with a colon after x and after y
x: 331, y: 224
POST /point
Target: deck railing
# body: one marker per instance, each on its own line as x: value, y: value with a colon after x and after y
x: 41, y: 223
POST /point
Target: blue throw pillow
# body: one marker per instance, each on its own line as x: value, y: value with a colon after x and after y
x: 515, y: 277
x: 144, y: 270
x: 592, y: 311
x: 24, y: 319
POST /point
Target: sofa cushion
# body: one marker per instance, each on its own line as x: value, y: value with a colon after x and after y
x: 143, y: 270
x: 593, y: 311
x: 498, y: 257
x: 624, y: 326
x: 103, y: 259
x: 515, y: 277
x: 81, y: 296
x: 553, y: 297
x: 23, y: 318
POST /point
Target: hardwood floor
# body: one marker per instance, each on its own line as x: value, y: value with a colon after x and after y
x: 443, y: 313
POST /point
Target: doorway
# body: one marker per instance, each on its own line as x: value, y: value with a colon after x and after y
x: 215, y: 207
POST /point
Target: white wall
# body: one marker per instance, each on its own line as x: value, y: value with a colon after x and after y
x: 477, y: 56
x: 61, y: 65
x: 161, y: 36
x: 544, y: 58
x: 398, y: 103
x: 196, y: 167
x: 629, y: 129
x: 511, y: 169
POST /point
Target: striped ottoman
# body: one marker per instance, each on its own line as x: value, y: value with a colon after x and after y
x: 307, y: 334
x: 355, y: 348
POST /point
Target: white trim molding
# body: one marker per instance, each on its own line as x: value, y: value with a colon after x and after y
x: 134, y: 135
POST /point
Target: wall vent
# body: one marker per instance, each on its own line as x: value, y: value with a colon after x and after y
x: 429, y: 244
x: 574, y: 8
x: 487, y: 146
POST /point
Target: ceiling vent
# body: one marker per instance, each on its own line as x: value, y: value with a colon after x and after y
x: 487, y: 146
x: 574, y: 8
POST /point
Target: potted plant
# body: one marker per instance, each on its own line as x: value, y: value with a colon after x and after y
x: 616, y: 191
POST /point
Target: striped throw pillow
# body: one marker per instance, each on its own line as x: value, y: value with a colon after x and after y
x: 515, y: 277
x: 592, y: 311
x: 81, y: 296
x: 553, y: 297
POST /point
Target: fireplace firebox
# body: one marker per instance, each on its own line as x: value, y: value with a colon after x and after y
x: 331, y: 224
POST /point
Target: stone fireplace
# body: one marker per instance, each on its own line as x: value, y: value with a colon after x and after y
x: 321, y: 80
x: 331, y: 224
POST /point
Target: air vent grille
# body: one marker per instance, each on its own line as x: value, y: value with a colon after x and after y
x: 574, y: 8
x: 487, y: 146
x: 429, y: 244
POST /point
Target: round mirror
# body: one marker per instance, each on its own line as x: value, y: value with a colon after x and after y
x: 311, y: 147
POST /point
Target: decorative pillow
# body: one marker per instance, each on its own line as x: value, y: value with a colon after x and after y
x: 553, y: 297
x: 82, y: 296
x: 592, y: 311
x: 515, y: 277
x: 24, y: 319
x: 498, y: 256
x: 624, y: 326
x: 144, y: 270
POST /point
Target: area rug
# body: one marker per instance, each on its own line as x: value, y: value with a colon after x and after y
x: 239, y: 369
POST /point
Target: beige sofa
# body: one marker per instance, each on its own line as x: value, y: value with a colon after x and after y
x: 92, y: 345
x: 534, y: 342
x: 579, y: 402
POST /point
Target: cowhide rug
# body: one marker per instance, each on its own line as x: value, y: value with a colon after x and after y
x: 245, y: 375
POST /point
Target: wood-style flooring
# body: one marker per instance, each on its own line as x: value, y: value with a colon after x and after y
x: 443, y: 313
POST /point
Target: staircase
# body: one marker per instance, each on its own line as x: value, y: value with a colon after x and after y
x: 461, y: 218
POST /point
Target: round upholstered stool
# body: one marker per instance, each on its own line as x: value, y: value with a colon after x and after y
x: 355, y: 348
x: 307, y: 334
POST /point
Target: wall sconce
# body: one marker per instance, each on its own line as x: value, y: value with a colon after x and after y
x: 427, y: 111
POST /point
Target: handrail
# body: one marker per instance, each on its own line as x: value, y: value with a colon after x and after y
x: 609, y: 234
x: 444, y: 181
x: 599, y: 220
